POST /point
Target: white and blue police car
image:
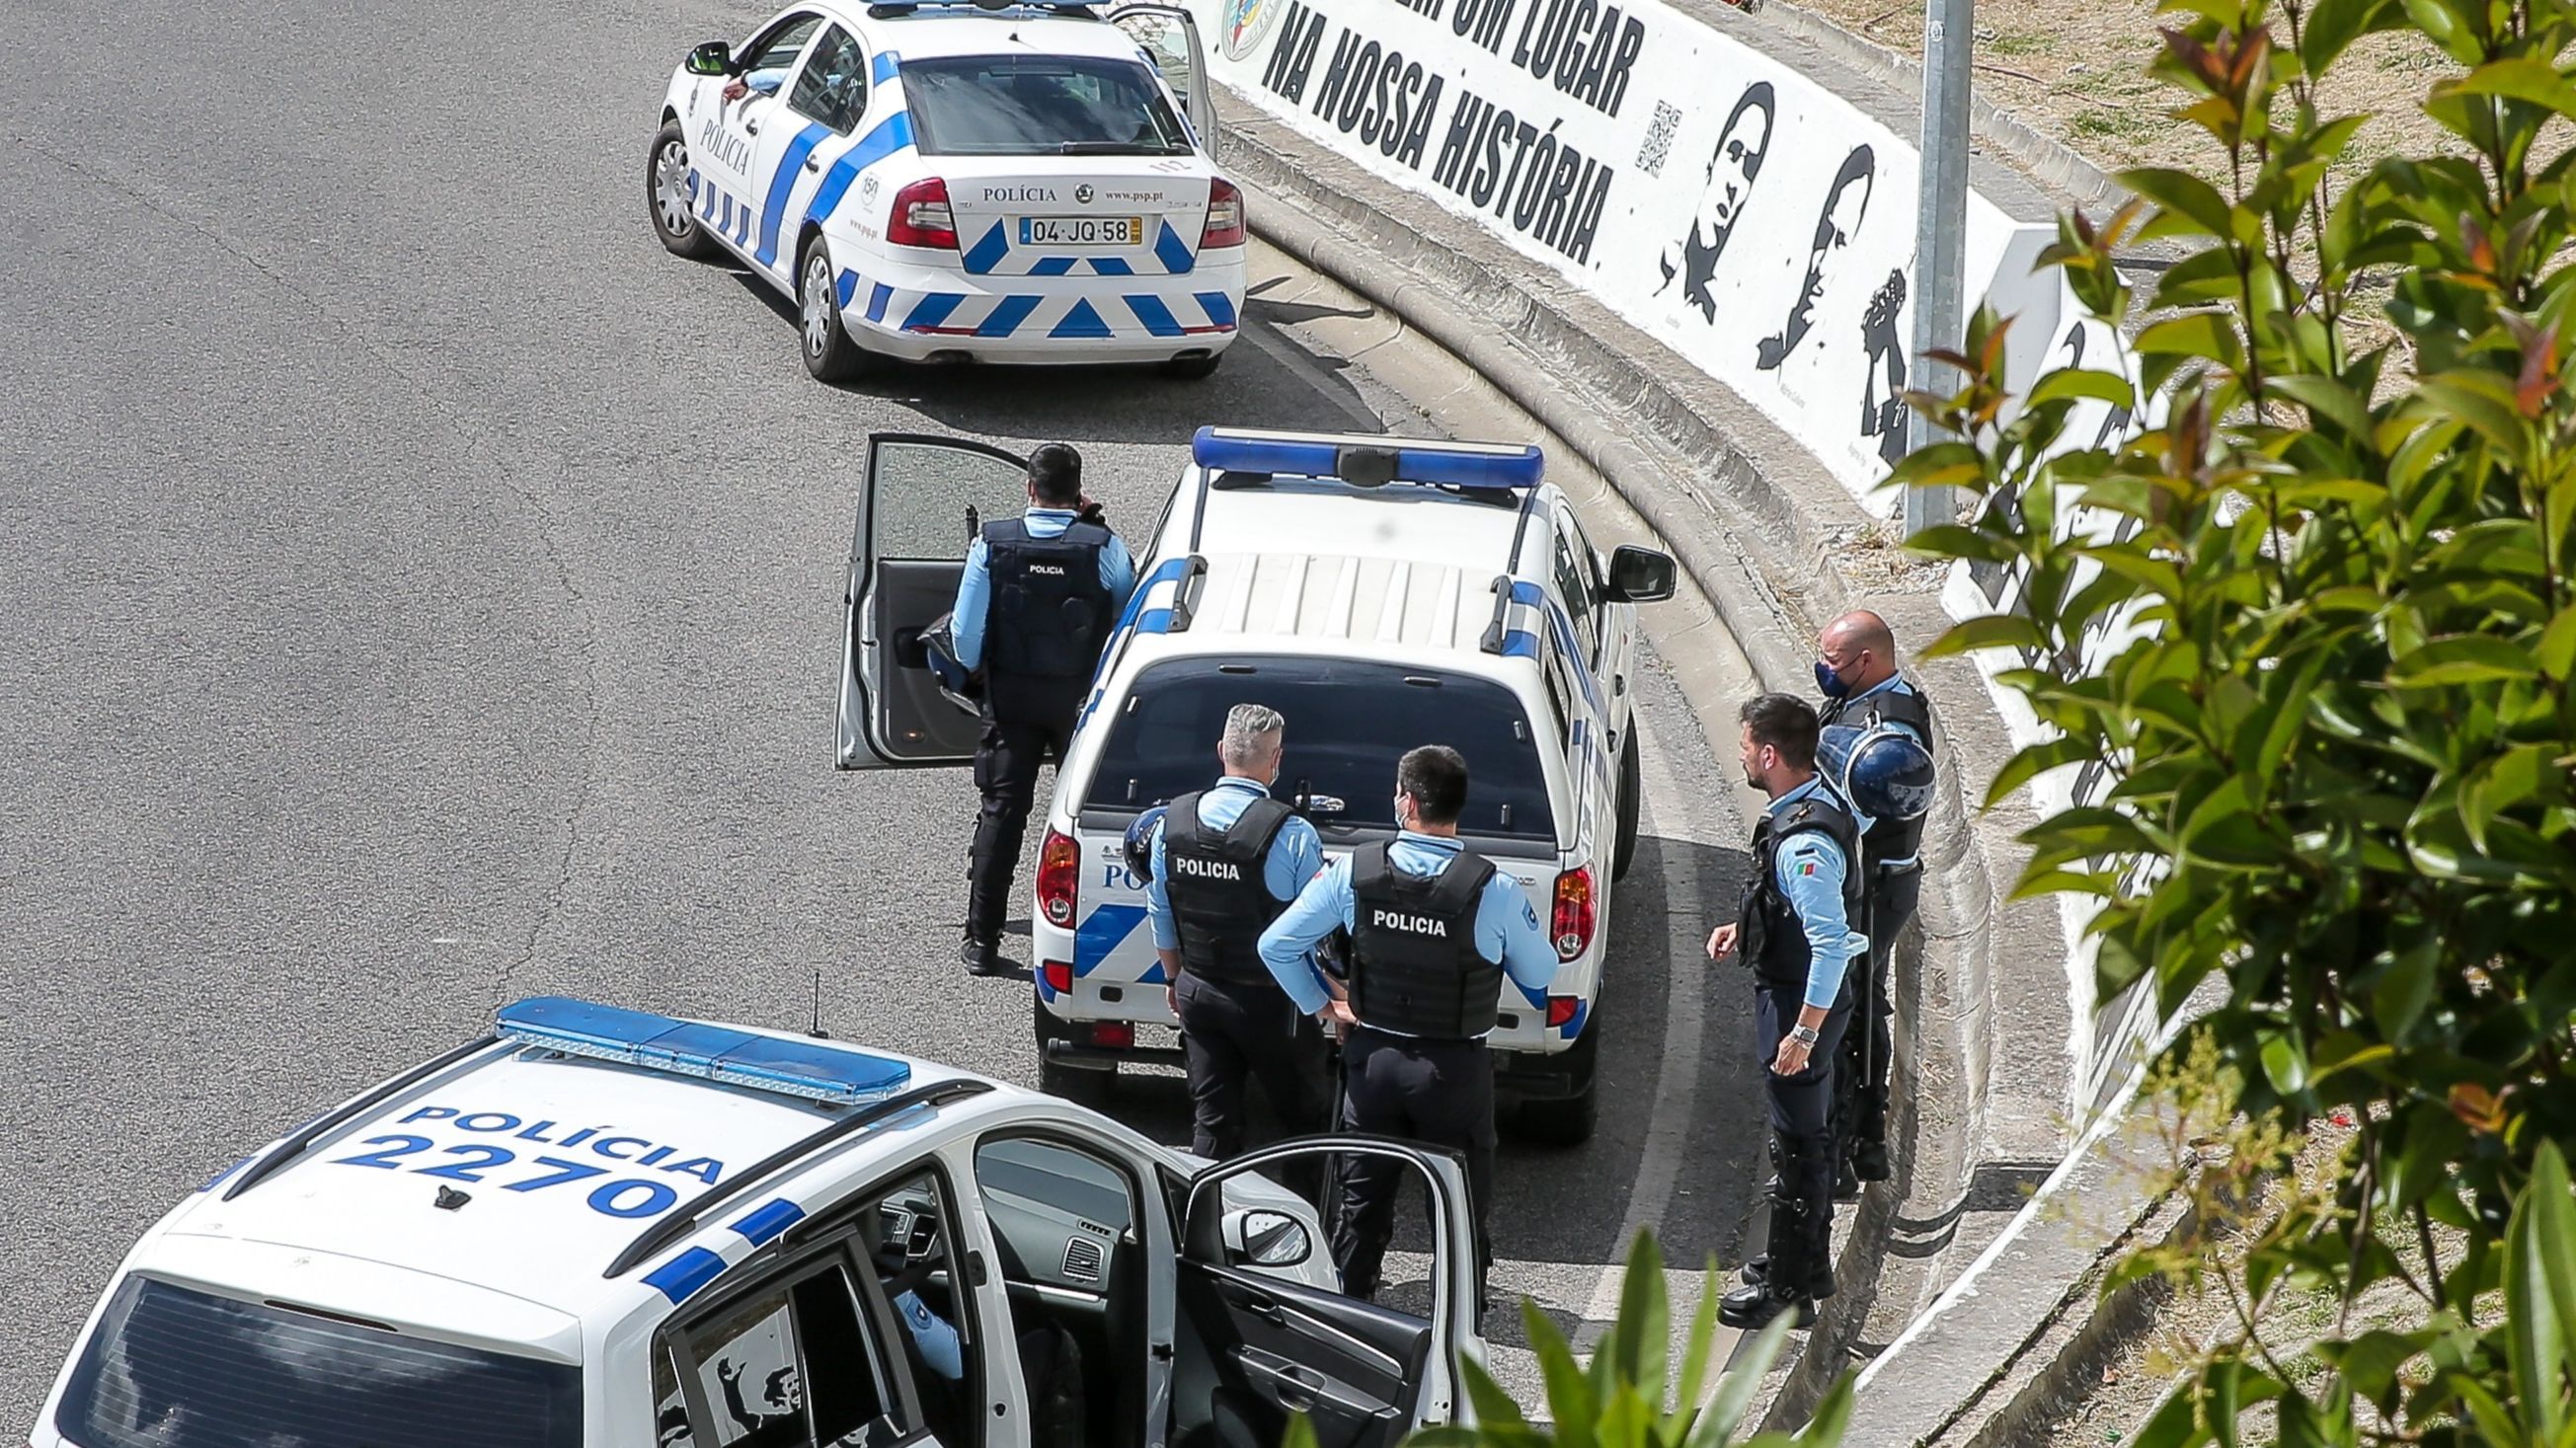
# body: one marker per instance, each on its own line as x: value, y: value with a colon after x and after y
x: 601, y: 1227
x: 1381, y: 594
x: 938, y: 180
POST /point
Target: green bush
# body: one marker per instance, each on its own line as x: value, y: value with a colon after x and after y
x: 2343, y: 750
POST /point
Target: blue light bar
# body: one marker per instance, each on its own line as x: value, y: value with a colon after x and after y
x: 1320, y: 455
x: 721, y: 1054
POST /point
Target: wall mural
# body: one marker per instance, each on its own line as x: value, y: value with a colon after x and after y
x: 1844, y: 210
x: 1882, y: 344
x: 1732, y: 169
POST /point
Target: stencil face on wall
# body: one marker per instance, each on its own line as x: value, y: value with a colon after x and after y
x: 1732, y: 170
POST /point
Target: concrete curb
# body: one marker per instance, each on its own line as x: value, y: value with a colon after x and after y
x: 1755, y: 519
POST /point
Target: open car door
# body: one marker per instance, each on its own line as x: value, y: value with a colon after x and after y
x: 1256, y: 1339
x: 922, y: 500
x: 1170, y: 37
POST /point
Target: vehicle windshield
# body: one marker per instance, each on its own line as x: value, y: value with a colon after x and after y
x: 1039, y: 105
x: 173, y: 1367
x: 1348, y: 723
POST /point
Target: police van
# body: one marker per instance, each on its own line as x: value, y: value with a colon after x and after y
x: 599, y: 1226
x: 1379, y: 593
x: 937, y: 180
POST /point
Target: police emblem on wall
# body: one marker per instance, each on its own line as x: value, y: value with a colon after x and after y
x: 1246, y: 24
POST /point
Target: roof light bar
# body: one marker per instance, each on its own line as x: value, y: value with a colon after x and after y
x: 832, y: 1074
x: 1363, y: 460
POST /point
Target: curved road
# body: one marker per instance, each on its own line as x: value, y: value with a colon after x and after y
x: 421, y: 593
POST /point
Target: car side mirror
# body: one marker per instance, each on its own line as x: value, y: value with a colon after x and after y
x: 713, y: 58
x: 1271, y: 1239
x: 1640, y: 575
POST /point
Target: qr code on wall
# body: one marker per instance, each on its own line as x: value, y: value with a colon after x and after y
x: 1659, y: 139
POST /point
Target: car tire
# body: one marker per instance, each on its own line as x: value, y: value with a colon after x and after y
x: 667, y: 199
x: 830, y: 353
x: 1193, y: 369
x: 1077, y: 1084
x: 1631, y: 801
x: 1569, y: 1120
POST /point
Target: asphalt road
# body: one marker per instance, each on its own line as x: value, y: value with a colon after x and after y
x: 419, y: 592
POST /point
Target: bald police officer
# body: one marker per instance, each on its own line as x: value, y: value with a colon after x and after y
x: 1034, y: 608
x: 1856, y: 670
x: 1795, y: 932
x: 1434, y: 928
x: 1226, y: 862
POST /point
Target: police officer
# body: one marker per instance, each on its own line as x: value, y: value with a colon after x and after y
x: 1433, y: 929
x: 1225, y: 862
x: 1795, y: 932
x: 1856, y: 671
x: 1036, y: 604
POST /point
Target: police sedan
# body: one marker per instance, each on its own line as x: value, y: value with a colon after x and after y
x: 1379, y: 592
x: 935, y: 180
x: 599, y: 1226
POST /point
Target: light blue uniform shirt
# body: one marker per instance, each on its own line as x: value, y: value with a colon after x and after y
x: 936, y: 1336
x: 1809, y: 868
x: 1296, y: 853
x: 1507, y: 929
x: 975, y: 589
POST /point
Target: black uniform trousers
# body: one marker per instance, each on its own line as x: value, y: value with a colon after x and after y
x: 1438, y: 1093
x: 1236, y: 1033
x: 1006, y: 774
x: 1802, y: 1197
x: 1869, y: 1048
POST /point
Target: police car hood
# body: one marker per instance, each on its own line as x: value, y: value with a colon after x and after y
x: 524, y: 1175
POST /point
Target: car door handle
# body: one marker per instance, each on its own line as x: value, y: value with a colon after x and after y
x: 813, y: 163
x: 752, y: 127
x: 1296, y: 1387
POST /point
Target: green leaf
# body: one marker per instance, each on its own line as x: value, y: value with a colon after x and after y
x: 2540, y: 1292
x: 2285, y: 1064
x: 2522, y: 79
x: 1943, y: 463
x: 2034, y: 760
x: 1644, y: 1319
x: 2556, y: 655
x: 1951, y: 540
x: 1993, y: 631
x: 2475, y: 401
x: 1703, y: 1337
x: 2182, y: 194
x: 2080, y: 383
x: 2335, y: 24
x: 1496, y: 1412
x: 2194, y: 334
x: 2462, y: 659
x: 1735, y: 1391
x: 2398, y: 1000
x: 2176, y: 1424
x: 1570, y: 1399
x: 2328, y: 399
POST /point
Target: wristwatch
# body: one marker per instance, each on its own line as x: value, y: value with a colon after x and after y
x: 1803, y: 1035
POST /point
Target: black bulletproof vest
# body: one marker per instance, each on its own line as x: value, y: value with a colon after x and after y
x: 1769, y: 933
x: 1887, y: 839
x: 1046, y: 623
x: 1414, y: 966
x: 1215, y: 880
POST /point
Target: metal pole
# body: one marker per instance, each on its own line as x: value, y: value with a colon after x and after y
x: 1941, y: 225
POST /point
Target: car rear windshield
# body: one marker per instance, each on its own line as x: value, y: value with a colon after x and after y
x: 1348, y: 723
x: 172, y: 1367
x: 1039, y: 105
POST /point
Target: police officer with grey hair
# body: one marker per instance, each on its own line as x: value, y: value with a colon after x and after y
x: 1795, y: 931
x: 1224, y: 862
x: 1875, y: 743
x: 1433, y: 930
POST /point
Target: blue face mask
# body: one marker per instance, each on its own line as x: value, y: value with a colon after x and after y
x: 1829, y: 683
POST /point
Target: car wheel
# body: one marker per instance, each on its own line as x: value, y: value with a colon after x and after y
x: 1566, y: 1121
x: 1631, y: 799
x: 667, y: 195
x: 829, y: 353
x: 1193, y: 369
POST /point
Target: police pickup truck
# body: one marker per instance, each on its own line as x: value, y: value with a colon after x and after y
x: 603, y: 1227
x: 1381, y: 594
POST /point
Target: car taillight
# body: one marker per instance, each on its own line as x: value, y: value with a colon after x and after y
x: 921, y: 216
x: 1114, y: 1035
x: 1059, y: 867
x: 1224, y: 217
x: 1570, y: 924
x: 1560, y: 1011
x: 1059, y: 976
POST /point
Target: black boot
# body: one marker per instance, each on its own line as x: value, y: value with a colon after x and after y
x: 1846, y: 1182
x: 1786, y: 1266
x: 1869, y: 1161
x: 1752, y: 1273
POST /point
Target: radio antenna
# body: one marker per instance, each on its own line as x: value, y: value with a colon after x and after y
x: 817, y: 1032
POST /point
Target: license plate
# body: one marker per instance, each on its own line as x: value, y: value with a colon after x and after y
x: 1081, y: 230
